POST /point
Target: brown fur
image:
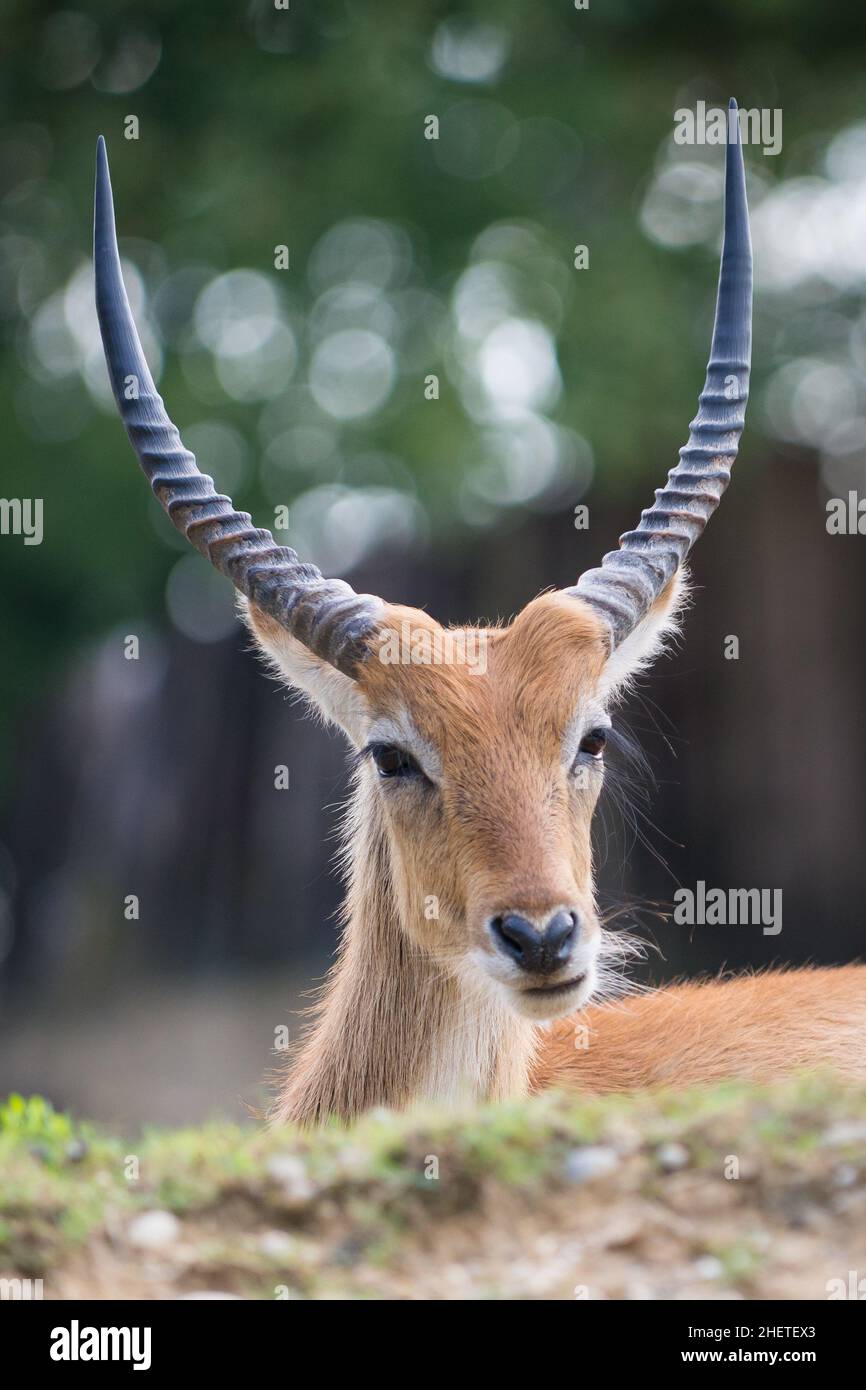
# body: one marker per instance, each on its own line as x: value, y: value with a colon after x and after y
x: 414, y: 1007
x: 753, y: 1027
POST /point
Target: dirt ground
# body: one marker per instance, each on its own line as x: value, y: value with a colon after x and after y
x: 732, y: 1193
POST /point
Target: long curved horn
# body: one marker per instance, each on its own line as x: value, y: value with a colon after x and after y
x: 630, y: 579
x: 326, y: 615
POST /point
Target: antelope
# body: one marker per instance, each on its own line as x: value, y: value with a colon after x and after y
x: 472, y: 949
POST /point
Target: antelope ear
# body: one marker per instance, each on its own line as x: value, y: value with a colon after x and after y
x: 644, y: 643
x: 336, y: 698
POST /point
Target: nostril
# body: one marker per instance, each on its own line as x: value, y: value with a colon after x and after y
x: 516, y: 938
x: 560, y: 935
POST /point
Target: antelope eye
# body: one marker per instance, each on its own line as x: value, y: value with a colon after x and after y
x: 392, y: 761
x: 593, y: 743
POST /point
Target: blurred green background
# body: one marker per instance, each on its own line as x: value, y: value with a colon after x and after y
x: 304, y: 388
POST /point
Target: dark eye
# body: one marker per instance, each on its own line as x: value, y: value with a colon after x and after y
x: 392, y: 761
x: 592, y: 744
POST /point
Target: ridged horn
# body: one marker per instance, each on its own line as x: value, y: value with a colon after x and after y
x: 630, y: 579
x: 326, y: 615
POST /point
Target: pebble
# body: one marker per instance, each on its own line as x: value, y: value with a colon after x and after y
x: 291, y: 1174
x: 153, y: 1230
x: 846, y: 1175
x: 845, y: 1132
x: 207, y: 1294
x: 672, y: 1157
x: 594, y: 1161
x: 277, y: 1245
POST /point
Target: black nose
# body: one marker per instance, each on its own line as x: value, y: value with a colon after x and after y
x: 539, y: 951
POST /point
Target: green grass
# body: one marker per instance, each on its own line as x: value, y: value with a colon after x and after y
x: 345, y: 1201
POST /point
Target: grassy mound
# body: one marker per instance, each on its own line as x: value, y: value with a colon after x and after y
x: 729, y: 1192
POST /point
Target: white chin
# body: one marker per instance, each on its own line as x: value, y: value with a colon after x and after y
x: 543, y: 1006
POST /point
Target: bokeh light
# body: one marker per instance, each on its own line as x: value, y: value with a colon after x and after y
x: 200, y: 602
x: 464, y: 51
x: 352, y: 373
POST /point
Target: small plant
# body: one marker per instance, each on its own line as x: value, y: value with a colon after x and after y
x: 35, y: 1122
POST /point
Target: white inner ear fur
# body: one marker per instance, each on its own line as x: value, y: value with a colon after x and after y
x: 334, y: 697
x: 647, y: 641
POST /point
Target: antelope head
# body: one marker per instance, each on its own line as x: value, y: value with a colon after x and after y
x: 479, y: 752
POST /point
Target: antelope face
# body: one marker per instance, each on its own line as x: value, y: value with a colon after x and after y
x: 486, y: 773
x: 481, y: 777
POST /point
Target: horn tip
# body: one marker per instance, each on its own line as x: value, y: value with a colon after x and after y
x: 102, y: 175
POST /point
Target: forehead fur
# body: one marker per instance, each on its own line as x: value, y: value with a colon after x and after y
x: 533, y: 672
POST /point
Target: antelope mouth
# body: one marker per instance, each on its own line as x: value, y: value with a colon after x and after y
x: 544, y: 1003
x: 555, y: 991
